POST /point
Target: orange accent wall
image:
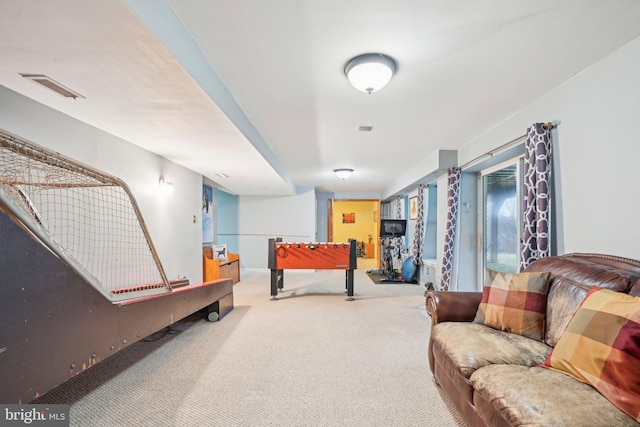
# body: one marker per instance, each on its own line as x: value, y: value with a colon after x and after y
x: 367, y: 219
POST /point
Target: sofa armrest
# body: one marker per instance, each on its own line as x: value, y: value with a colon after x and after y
x: 452, y: 306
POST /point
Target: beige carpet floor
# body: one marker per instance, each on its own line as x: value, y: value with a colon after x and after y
x: 309, y: 359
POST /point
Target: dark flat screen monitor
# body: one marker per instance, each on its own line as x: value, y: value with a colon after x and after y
x: 393, y: 227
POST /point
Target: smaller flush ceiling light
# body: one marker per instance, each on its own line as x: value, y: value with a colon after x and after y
x: 343, y: 173
x: 370, y: 72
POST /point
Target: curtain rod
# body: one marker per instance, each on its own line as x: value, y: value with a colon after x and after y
x: 548, y: 125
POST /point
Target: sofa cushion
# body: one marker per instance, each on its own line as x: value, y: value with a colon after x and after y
x: 572, y: 276
x: 532, y: 396
x: 562, y: 302
x: 601, y: 347
x: 514, y: 303
x: 597, y: 270
x: 471, y: 346
x: 635, y: 288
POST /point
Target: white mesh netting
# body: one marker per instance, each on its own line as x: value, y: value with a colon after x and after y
x: 90, y: 218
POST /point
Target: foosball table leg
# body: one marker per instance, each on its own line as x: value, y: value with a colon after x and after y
x: 349, y: 281
x: 277, y: 283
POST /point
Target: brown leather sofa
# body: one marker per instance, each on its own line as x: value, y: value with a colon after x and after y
x: 492, y: 376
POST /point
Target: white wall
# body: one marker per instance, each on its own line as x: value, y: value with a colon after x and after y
x: 168, y: 217
x: 261, y: 217
x: 598, y: 150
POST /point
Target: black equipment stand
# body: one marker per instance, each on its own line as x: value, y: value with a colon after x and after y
x: 389, y: 271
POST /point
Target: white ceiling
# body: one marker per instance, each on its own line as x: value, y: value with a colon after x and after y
x: 255, y: 89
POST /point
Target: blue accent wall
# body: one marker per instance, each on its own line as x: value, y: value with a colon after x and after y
x: 430, y: 245
x: 228, y: 226
x: 467, y: 234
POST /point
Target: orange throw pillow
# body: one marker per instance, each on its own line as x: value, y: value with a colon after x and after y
x: 514, y: 303
x: 601, y: 347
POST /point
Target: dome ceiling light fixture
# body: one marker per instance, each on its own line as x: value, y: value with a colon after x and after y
x: 370, y: 72
x: 343, y: 173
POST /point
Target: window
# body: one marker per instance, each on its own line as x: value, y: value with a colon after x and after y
x: 500, y: 216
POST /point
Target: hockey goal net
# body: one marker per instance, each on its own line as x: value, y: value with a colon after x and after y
x: 89, y: 219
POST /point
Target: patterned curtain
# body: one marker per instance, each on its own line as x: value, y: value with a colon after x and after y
x: 537, y: 175
x: 418, y: 237
x: 453, y: 200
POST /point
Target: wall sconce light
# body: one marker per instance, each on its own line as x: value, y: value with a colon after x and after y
x: 467, y: 205
x: 343, y: 173
x: 370, y: 72
x: 166, y: 187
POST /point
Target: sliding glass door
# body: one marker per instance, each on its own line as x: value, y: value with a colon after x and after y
x: 500, y: 217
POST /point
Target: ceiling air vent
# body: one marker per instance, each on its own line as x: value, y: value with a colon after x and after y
x: 53, y: 85
x: 365, y: 128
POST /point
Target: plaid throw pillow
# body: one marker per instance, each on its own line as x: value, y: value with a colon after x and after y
x: 514, y: 303
x: 601, y: 347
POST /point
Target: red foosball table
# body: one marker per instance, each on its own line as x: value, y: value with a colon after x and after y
x: 314, y: 256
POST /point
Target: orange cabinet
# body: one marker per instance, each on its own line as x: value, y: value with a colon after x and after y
x: 369, y: 250
x: 213, y: 269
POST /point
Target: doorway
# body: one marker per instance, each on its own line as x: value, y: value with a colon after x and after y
x: 359, y: 220
x: 501, y: 212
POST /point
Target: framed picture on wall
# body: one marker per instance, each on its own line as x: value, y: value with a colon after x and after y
x: 413, y: 207
x: 207, y: 214
x: 349, y: 218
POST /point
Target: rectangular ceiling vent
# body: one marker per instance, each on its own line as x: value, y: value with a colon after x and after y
x: 365, y: 128
x: 53, y: 85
